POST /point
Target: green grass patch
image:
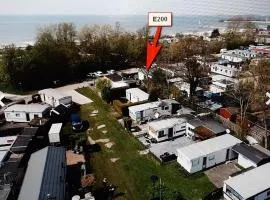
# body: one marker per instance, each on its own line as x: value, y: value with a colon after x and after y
x: 133, y: 171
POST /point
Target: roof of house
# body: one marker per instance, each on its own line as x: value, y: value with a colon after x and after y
x: 45, y: 175
x: 30, y: 131
x: 251, y: 182
x: 138, y: 93
x: 119, y: 84
x: 3, y: 155
x: 53, y: 93
x: 253, y: 154
x: 6, y: 142
x: 55, y: 128
x: 206, y: 147
x: 260, y: 148
x: 21, y: 143
x: 4, y: 191
x: 166, y: 123
x: 34, y: 108
x: 114, y: 77
x: 203, y: 132
x: 210, y: 124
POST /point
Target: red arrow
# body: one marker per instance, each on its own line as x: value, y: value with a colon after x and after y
x: 153, y: 49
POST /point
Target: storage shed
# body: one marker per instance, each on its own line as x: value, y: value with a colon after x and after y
x: 54, y: 133
x: 249, y: 156
x: 208, y: 153
x: 135, y: 95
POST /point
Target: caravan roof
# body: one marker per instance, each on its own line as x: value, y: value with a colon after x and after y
x: 166, y: 123
x: 251, y: 182
x: 34, y: 108
x: 138, y: 92
x: 206, y: 147
x: 53, y: 92
x: 144, y: 106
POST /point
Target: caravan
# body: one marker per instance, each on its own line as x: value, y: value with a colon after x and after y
x: 154, y: 110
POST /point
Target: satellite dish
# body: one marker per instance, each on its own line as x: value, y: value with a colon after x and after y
x: 228, y: 131
x: 157, y: 115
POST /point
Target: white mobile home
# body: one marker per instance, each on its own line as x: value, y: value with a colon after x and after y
x: 54, y: 133
x: 167, y: 129
x: 208, y: 153
x: 135, y: 95
x: 54, y: 97
x: 25, y: 112
x: 253, y: 184
x: 153, y: 110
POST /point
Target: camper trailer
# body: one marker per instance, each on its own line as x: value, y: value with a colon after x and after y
x: 54, y: 97
x: 167, y: 129
x: 154, y: 110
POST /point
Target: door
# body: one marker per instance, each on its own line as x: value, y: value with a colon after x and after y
x: 170, y: 133
x: 227, y: 154
x: 204, y: 162
x: 27, y: 117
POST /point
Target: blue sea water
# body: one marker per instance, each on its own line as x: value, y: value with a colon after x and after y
x: 23, y: 29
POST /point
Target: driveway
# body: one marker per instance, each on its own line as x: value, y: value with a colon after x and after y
x: 217, y: 175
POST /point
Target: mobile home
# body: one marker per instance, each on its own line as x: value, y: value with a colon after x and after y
x: 153, y: 110
x: 25, y: 112
x: 167, y: 129
x: 208, y: 153
x: 253, y: 184
x: 54, y: 97
x: 135, y: 95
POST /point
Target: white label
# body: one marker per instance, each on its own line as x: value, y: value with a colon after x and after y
x: 159, y: 19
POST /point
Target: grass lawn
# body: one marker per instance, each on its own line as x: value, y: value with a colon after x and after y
x: 133, y: 171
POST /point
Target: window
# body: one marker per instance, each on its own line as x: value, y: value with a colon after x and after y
x: 183, y: 127
x: 166, y: 107
x: 195, y: 162
x: 161, y: 134
x: 36, y: 116
x: 268, y: 193
x: 18, y: 115
x: 211, y: 157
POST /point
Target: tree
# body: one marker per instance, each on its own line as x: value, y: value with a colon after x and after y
x: 244, y: 92
x: 215, y: 33
x: 104, y: 86
x: 194, y: 72
x: 261, y: 76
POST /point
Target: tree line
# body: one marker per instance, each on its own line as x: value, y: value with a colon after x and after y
x: 61, y: 54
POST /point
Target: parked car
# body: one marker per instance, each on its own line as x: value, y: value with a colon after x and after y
x: 98, y: 73
x: 76, y: 123
x: 112, y: 71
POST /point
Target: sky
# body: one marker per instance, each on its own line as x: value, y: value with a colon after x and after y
x: 136, y: 7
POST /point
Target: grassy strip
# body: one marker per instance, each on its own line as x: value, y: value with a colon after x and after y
x: 133, y: 171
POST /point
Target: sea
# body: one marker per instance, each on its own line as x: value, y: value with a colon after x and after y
x: 22, y: 29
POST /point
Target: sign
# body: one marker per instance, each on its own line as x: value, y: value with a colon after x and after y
x: 160, y: 19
